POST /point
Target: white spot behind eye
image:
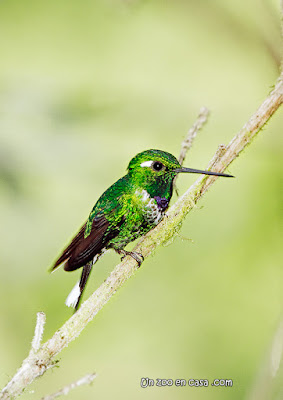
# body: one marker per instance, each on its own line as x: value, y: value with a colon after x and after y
x: 146, y: 164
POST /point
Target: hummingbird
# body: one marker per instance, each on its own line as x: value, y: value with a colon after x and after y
x: 128, y: 209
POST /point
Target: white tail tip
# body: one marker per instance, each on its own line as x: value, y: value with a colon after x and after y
x: 72, y: 299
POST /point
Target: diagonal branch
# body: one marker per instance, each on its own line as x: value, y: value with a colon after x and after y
x: 37, y: 363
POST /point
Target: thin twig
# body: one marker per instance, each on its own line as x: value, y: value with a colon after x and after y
x: 268, y: 383
x: 169, y: 226
x: 85, y: 380
x: 189, y: 139
x: 38, y: 332
x: 192, y: 132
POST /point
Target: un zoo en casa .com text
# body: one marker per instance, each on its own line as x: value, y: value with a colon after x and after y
x: 147, y: 382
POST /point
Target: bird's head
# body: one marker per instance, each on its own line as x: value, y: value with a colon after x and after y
x: 154, y: 170
x: 153, y: 164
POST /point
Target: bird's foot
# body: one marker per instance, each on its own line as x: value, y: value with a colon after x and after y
x: 134, y: 254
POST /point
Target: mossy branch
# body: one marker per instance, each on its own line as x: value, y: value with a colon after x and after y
x: 42, y: 359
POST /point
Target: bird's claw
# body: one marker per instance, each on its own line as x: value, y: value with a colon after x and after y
x: 138, y: 257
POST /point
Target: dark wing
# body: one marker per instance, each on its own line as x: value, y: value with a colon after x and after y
x: 81, y: 250
x: 70, y: 248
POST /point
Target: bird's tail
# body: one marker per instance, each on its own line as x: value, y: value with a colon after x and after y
x: 74, y: 298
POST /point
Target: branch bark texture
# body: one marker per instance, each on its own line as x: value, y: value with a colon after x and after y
x: 38, y: 362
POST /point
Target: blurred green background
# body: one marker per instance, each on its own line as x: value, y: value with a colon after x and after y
x: 86, y: 85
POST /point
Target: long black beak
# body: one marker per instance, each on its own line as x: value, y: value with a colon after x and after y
x: 198, y: 171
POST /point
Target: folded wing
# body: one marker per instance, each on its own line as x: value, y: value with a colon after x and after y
x: 82, y: 249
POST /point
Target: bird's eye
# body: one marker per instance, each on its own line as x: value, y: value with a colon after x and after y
x: 157, y: 166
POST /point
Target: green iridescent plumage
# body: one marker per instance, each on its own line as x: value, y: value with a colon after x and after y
x: 128, y: 209
x: 124, y: 203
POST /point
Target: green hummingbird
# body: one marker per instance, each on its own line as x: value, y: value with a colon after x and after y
x: 127, y: 210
